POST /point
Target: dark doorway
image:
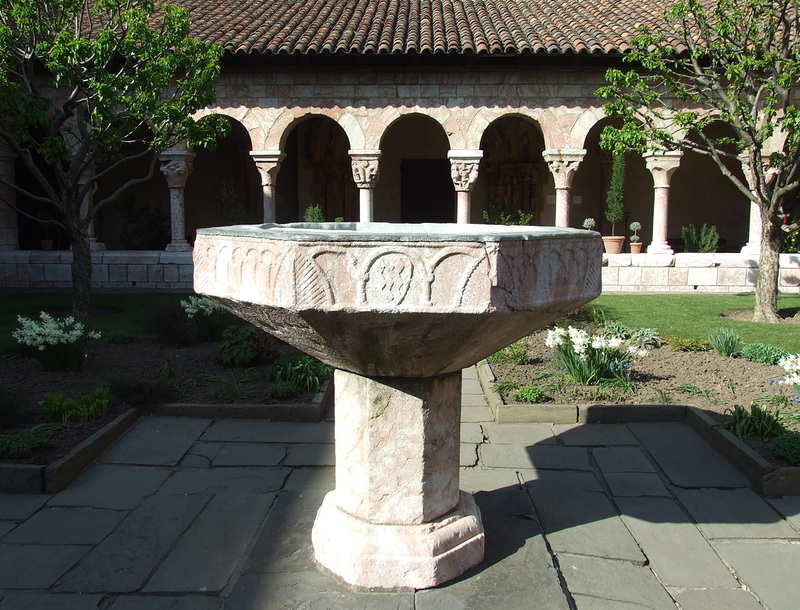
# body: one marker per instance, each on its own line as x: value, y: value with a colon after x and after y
x: 427, y: 193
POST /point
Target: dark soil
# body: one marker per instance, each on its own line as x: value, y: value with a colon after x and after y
x: 700, y: 379
x: 140, y: 373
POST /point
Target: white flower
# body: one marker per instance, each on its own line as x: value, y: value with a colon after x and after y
x: 199, y: 305
x: 555, y: 337
x: 49, y: 331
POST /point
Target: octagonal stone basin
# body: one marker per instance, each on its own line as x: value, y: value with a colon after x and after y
x: 399, y: 310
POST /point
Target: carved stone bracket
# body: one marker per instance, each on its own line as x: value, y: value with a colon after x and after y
x: 365, y: 167
x: 563, y: 163
x: 464, y: 168
x: 662, y: 165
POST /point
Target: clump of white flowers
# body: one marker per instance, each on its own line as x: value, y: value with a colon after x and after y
x: 199, y: 306
x: 791, y: 364
x: 58, y: 343
x: 593, y: 359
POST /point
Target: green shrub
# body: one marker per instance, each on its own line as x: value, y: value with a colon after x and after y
x: 120, y: 336
x: 239, y: 346
x: 501, y: 215
x: 763, y: 353
x: 687, y: 344
x: 645, y: 338
x: 58, y: 408
x: 313, y: 213
x: 19, y: 445
x: 787, y: 446
x: 612, y: 328
x: 760, y: 422
x: 301, y: 370
x: 516, y: 353
x: 530, y: 394
x: 725, y: 341
x: 704, y: 240
x: 282, y: 390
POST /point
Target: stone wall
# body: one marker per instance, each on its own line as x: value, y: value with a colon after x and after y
x: 156, y: 270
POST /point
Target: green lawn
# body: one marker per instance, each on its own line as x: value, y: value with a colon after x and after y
x: 694, y: 315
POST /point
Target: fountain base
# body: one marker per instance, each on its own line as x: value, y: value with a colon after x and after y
x: 393, y: 556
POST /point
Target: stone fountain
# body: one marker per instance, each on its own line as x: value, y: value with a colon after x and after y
x: 399, y: 310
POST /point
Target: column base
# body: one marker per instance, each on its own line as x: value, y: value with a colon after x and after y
x: 178, y: 246
x: 753, y: 249
x: 659, y: 248
x: 392, y: 556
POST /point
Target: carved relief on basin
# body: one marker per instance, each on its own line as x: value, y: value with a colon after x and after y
x: 393, y: 299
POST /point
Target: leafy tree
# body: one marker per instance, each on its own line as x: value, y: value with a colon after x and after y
x: 735, y: 61
x: 615, y: 207
x: 87, y: 87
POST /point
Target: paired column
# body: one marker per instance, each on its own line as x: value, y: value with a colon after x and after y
x: 563, y: 164
x: 662, y: 165
x: 268, y: 163
x: 365, y: 174
x: 176, y: 165
x: 9, y: 235
x: 464, y: 171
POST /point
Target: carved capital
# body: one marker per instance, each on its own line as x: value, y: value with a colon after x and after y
x: 662, y: 165
x: 268, y: 163
x: 464, y: 166
x: 365, y: 167
x: 563, y: 163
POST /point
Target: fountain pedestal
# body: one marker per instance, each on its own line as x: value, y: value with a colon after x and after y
x: 397, y: 514
x: 399, y: 310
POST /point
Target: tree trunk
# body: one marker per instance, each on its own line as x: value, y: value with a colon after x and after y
x: 81, y: 269
x: 766, y: 309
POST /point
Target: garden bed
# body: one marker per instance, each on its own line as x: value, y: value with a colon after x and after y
x: 148, y: 376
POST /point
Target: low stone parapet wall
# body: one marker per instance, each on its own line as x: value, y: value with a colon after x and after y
x: 158, y: 270
x: 132, y: 269
x: 690, y: 272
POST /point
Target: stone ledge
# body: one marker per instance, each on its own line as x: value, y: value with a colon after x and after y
x: 36, y: 479
x: 765, y: 478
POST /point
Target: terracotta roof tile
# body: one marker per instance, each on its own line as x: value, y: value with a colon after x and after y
x: 421, y: 26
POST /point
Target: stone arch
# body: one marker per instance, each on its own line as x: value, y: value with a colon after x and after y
x: 700, y: 193
x: 316, y: 169
x: 513, y: 175
x: 591, y: 182
x: 415, y: 184
x: 387, y: 118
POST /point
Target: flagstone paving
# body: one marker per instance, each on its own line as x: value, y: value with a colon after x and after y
x: 201, y: 514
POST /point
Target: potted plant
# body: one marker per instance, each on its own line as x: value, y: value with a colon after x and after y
x: 615, y: 209
x: 636, y: 244
x: 588, y: 224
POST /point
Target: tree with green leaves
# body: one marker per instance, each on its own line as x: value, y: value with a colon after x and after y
x: 87, y: 87
x: 734, y: 61
x: 615, y: 206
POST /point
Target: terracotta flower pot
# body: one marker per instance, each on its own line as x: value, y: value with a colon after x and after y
x: 636, y: 247
x: 613, y: 243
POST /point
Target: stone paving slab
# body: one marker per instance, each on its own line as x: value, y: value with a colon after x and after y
x: 156, y: 602
x: 66, y: 526
x: 205, y: 557
x: 16, y: 507
x: 475, y: 479
x: 112, y: 486
x: 233, y: 480
x: 472, y: 432
x: 714, y: 599
x: 203, y: 455
x: 676, y: 549
x: 319, y: 454
x: 599, y: 435
x: 578, y: 518
x: 261, y: 431
x: 47, y: 601
x: 622, y: 459
x: 520, y: 434
x: 633, y: 484
x: 789, y: 507
x: 156, y: 441
x: 685, y: 457
x: 770, y: 569
x: 475, y: 413
x: 600, y: 583
x: 540, y: 457
x: 125, y: 559
x: 734, y: 513
x: 36, y: 566
x: 468, y: 455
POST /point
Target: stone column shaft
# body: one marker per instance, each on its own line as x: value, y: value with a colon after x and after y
x: 366, y: 171
x: 563, y: 164
x: 755, y: 228
x: 661, y: 166
x: 464, y: 165
x: 176, y: 165
x: 268, y: 164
